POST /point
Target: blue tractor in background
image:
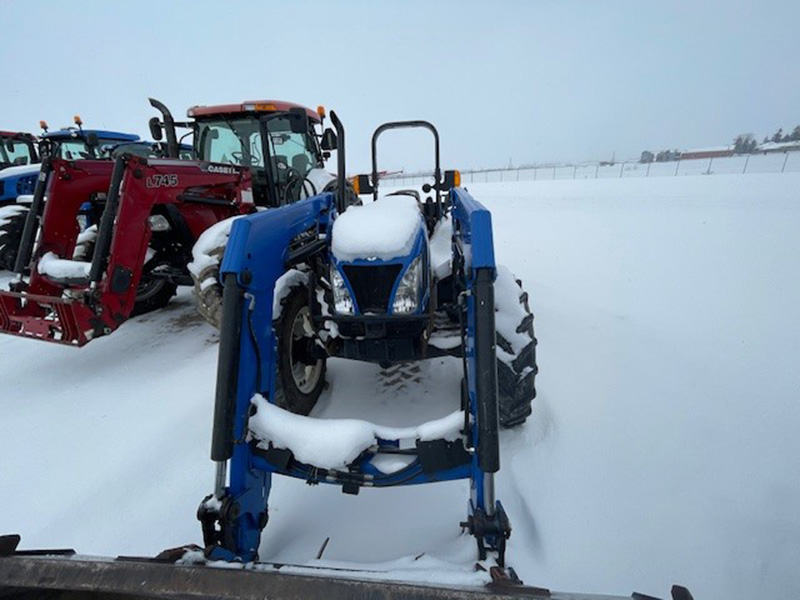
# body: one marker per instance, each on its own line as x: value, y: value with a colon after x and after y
x: 17, y: 149
x: 395, y: 280
x: 19, y: 165
x: 17, y: 183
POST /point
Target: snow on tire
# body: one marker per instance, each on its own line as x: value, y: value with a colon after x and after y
x: 207, y: 254
x: 516, y: 349
x: 12, y: 222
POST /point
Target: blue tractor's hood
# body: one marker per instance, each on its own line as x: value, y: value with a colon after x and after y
x: 18, y: 171
x: 385, y: 230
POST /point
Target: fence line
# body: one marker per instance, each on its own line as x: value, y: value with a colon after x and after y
x: 786, y: 162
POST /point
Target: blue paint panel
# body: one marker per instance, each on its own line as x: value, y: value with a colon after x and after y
x: 16, y: 185
x: 474, y: 224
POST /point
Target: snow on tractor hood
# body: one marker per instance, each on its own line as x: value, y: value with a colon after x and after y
x: 20, y: 170
x: 381, y: 230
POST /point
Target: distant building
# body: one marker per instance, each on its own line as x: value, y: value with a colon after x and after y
x: 647, y: 157
x: 712, y: 152
x: 770, y: 147
x: 667, y: 156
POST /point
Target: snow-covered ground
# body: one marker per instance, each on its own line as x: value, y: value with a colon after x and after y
x: 662, y: 448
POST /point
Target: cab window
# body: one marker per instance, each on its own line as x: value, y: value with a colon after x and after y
x: 290, y: 150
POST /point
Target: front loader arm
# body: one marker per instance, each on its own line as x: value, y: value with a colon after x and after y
x: 255, y: 257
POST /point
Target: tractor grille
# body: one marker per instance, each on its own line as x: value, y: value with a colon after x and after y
x: 372, y: 285
x: 26, y: 184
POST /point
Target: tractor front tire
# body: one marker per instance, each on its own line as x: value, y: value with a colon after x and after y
x: 152, y: 293
x: 12, y: 222
x: 516, y: 350
x: 301, y: 375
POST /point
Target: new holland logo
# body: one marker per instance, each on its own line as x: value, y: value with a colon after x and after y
x: 222, y: 169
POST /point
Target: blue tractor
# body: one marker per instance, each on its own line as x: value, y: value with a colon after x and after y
x: 17, y: 149
x: 19, y: 165
x: 396, y: 280
x: 17, y: 183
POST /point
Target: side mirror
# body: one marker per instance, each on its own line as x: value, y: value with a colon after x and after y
x: 92, y: 141
x: 155, y: 129
x: 329, y: 140
x: 362, y: 185
x: 298, y: 121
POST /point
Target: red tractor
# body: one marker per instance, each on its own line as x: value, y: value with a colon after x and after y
x: 72, y: 286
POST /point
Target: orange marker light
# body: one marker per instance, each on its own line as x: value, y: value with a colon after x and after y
x: 457, y: 179
x: 321, y: 111
x: 266, y: 107
x: 77, y: 119
x: 43, y: 125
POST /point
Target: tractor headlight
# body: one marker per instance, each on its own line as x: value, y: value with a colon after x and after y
x: 342, y: 301
x: 158, y: 223
x: 406, y: 298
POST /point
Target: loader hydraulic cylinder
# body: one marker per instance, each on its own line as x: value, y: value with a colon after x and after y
x: 106, y: 228
x: 29, y: 231
x: 486, y: 372
x: 227, y: 369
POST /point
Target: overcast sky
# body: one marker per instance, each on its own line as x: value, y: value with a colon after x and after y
x: 527, y: 81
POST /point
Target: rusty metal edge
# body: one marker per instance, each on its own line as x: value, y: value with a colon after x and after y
x: 146, y: 579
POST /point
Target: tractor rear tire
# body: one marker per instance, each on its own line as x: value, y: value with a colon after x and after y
x: 209, y: 295
x: 350, y: 196
x: 516, y: 362
x: 300, y: 379
x: 12, y: 218
x: 207, y: 255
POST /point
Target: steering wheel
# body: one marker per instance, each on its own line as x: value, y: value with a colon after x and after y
x: 238, y: 156
x: 295, y: 179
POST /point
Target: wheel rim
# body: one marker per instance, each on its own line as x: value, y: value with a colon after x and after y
x: 305, y: 377
x: 148, y: 288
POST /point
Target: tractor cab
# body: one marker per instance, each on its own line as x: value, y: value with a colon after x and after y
x: 281, y: 143
x: 76, y: 143
x: 276, y: 140
x: 17, y: 149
